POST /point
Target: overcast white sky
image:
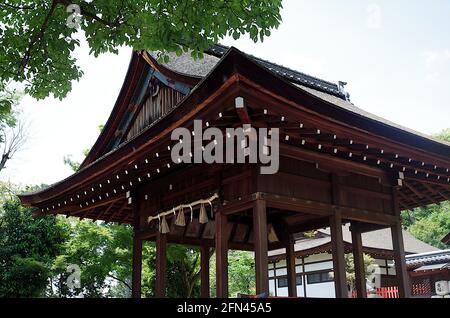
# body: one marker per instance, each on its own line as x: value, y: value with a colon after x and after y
x: 395, y: 55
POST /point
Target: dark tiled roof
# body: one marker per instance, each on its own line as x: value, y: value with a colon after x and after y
x: 431, y: 258
x: 185, y: 64
x: 327, y: 91
x: 380, y: 239
x: 289, y: 74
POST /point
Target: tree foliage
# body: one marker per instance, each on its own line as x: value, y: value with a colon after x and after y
x: 28, y: 248
x: 9, y: 99
x: 103, y: 254
x: 38, y: 38
x: 444, y: 135
x: 12, y: 131
x: 429, y: 224
x: 350, y: 268
x: 241, y: 274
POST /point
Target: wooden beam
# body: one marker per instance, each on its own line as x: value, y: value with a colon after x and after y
x: 358, y: 260
x: 221, y: 255
x: 337, y: 248
x: 86, y: 213
x: 105, y: 211
x: 367, y: 216
x: 445, y: 196
x: 236, y: 206
x: 368, y: 227
x: 161, y: 265
x: 438, y: 191
x: 407, y: 199
x: 290, y: 262
x: 310, y: 225
x: 241, y: 110
x: 417, y: 192
x: 79, y: 210
x: 261, y: 247
x: 368, y: 156
x: 331, y: 162
x: 326, y: 209
x: 124, y: 204
x: 414, y: 177
x: 297, y: 204
x: 205, y: 253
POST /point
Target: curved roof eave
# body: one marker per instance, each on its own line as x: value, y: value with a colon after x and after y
x: 37, y: 196
x: 120, y: 105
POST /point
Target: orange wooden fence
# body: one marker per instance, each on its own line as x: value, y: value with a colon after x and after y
x: 384, y: 292
x: 422, y: 288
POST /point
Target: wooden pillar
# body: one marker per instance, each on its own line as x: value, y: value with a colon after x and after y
x: 221, y: 255
x: 305, y: 295
x: 337, y: 247
x: 161, y: 265
x: 137, y: 267
x: 337, y: 241
x: 261, y: 246
x: 136, y: 275
x: 404, y: 289
x: 358, y: 261
x: 290, y: 263
x: 204, y: 271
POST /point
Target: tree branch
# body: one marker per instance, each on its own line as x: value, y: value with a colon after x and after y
x: 12, y: 6
x: 84, y: 11
x: 38, y: 37
x: 13, y: 143
x: 120, y: 280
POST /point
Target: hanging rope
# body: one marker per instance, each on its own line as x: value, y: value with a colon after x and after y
x: 181, y: 208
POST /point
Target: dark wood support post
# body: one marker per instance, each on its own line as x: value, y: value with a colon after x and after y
x: 137, y: 268
x: 221, y: 256
x: 261, y: 247
x: 204, y: 271
x: 358, y: 261
x: 337, y: 247
x: 161, y: 265
x: 404, y: 290
x: 290, y: 263
x: 337, y: 241
x: 137, y: 254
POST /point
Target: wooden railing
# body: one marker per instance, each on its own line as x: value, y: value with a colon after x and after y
x: 388, y: 292
x: 417, y: 289
x: 384, y: 292
x: 422, y: 288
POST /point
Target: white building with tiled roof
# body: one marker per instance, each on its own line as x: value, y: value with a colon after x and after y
x: 314, y: 264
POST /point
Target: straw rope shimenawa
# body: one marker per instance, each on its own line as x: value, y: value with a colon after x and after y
x: 161, y: 217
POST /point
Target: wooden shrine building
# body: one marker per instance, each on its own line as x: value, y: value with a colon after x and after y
x: 338, y: 164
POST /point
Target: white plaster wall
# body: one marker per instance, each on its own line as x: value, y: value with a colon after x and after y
x: 322, y: 290
x: 272, y: 287
x: 318, y: 257
x: 318, y: 266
